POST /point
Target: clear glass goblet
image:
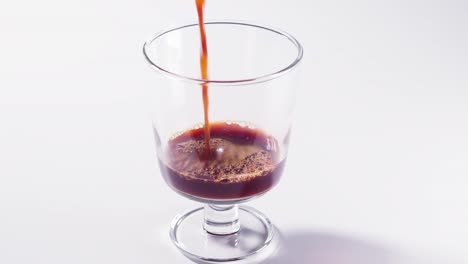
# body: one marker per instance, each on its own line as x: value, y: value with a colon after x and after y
x: 251, y: 97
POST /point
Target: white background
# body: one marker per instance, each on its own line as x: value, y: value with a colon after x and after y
x: 378, y: 166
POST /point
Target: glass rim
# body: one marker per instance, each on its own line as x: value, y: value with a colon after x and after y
x: 261, y: 78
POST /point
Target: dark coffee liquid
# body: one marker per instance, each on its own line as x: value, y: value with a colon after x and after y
x: 242, y: 162
x: 220, y: 161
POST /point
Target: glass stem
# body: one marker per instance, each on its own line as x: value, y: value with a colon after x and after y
x: 221, y: 219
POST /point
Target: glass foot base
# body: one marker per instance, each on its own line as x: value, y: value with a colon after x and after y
x: 253, y: 243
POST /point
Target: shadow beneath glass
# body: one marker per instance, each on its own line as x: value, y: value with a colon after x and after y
x: 327, y: 248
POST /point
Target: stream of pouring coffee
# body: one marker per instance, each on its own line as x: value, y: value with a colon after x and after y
x: 204, y: 70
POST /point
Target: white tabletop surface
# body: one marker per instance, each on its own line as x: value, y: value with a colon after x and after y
x: 378, y: 167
